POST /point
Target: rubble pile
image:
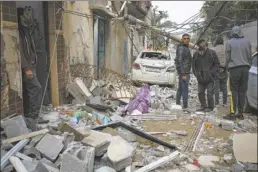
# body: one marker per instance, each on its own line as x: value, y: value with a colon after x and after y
x: 109, y: 130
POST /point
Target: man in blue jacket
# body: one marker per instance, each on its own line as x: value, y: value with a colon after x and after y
x: 183, y: 62
x: 238, y: 62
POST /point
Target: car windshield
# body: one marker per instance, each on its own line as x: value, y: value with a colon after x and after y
x: 154, y: 56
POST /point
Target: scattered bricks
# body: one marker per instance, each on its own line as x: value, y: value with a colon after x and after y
x: 214, y: 121
x: 227, y: 125
x: 100, y: 141
x: 82, y: 160
x: 32, y: 152
x: 50, y: 146
x: 15, y: 127
x: 64, y: 127
x: 119, y: 153
x: 105, y: 169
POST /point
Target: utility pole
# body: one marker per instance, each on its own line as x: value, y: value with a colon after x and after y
x: 132, y: 20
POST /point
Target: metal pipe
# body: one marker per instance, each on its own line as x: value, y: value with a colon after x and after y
x: 16, y: 148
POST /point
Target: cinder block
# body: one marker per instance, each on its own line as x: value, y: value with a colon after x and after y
x: 81, y: 160
x: 15, y: 126
x: 50, y: 146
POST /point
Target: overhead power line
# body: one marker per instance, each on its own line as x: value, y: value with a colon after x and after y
x: 217, y: 13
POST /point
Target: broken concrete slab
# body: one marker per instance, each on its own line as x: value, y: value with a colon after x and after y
x: 207, y: 160
x: 105, y: 169
x: 32, y: 152
x: 159, y: 162
x: 15, y: 126
x: 98, y: 103
x: 214, y: 121
x: 245, y: 147
x: 17, y: 164
x: 119, y: 153
x: 81, y: 160
x: 68, y: 138
x: 100, y: 141
x: 78, y: 90
x: 50, y: 146
x: 127, y: 135
x: 227, y: 125
x: 64, y: 127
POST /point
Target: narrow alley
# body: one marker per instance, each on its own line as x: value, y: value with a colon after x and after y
x: 128, y: 86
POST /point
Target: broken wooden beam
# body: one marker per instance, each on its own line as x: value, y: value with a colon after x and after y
x: 159, y: 162
x: 25, y: 136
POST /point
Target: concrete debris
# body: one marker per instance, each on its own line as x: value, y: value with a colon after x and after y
x: 227, y: 125
x: 105, y: 169
x: 15, y: 126
x: 119, y: 153
x: 81, y: 160
x: 79, y: 91
x: 208, y: 160
x: 100, y: 141
x: 64, y: 127
x: 19, y: 167
x: 191, y: 167
x: 245, y: 147
x: 50, y: 146
x: 32, y: 152
x: 94, y: 133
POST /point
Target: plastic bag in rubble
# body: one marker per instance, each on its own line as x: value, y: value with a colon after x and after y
x: 141, y: 102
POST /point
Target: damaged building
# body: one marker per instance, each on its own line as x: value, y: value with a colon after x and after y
x: 69, y: 35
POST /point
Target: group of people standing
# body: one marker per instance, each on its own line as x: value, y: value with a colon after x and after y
x: 212, y: 67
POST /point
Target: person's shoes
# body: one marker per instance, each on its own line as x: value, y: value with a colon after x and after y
x: 31, y: 123
x: 230, y: 117
x: 208, y: 110
x: 240, y: 116
x: 185, y: 110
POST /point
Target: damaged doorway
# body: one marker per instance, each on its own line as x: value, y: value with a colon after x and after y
x: 99, y: 43
x: 40, y: 17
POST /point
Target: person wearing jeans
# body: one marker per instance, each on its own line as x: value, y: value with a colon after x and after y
x: 182, y: 91
x: 183, y: 62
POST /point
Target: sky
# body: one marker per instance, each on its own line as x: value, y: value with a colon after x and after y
x: 179, y: 11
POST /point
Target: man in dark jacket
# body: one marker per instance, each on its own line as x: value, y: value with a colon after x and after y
x: 238, y: 62
x: 183, y: 62
x: 205, y: 68
x: 31, y: 86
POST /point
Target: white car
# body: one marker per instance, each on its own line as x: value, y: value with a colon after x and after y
x: 154, y: 67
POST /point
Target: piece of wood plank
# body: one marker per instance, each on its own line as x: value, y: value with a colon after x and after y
x: 158, y: 163
x: 17, y: 164
x: 26, y: 136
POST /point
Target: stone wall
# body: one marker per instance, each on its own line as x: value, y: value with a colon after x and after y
x: 11, y: 84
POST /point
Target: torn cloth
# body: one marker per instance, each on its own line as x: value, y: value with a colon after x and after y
x: 141, y: 102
